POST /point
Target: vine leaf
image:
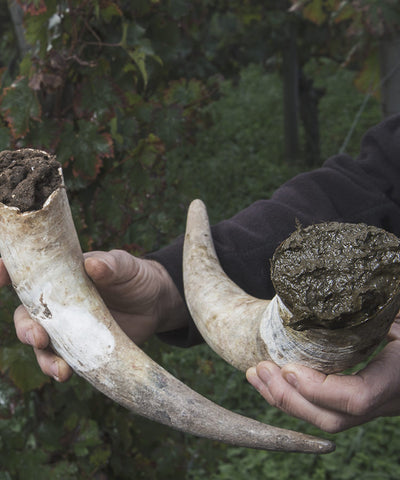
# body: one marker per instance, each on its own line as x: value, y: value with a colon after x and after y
x: 368, y: 79
x: 139, y: 57
x: 19, y: 362
x: 85, y: 147
x: 19, y: 105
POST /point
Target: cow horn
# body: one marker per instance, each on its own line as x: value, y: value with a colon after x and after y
x: 245, y: 330
x: 41, y: 252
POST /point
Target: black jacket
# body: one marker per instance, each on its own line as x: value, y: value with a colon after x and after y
x: 366, y: 190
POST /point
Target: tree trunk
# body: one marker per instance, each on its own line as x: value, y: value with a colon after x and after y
x: 309, y: 98
x: 390, y: 75
x: 17, y: 18
x: 290, y: 95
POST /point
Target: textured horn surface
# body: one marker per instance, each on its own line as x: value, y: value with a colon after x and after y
x: 329, y: 351
x: 227, y: 317
x: 41, y: 252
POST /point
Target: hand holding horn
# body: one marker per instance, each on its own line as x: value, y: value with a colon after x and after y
x: 337, y: 294
x: 41, y: 252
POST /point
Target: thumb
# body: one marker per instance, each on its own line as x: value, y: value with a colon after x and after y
x: 108, y: 268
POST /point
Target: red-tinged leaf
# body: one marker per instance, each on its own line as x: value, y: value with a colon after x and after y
x: 314, y: 11
x: 149, y: 151
x: 46, y: 81
x: 18, y: 361
x: 19, y: 105
x: 368, y: 79
x: 84, y: 148
x: 109, y: 11
x: 33, y: 7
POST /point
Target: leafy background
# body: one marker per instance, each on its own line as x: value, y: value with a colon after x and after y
x: 149, y: 104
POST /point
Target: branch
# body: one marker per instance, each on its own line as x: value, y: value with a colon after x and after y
x: 17, y: 18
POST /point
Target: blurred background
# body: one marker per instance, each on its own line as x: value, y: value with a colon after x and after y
x: 149, y: 104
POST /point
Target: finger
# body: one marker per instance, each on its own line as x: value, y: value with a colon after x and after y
x: 52, y: 365
x: 28, y: 331
x: 99, y: 266
x: 394, y: 333
x: 4, y: 277
x: 333, y: 392
x: 268, y: 380
x: 358, y: 394
x: 31, y: 333
x: 116, y: 266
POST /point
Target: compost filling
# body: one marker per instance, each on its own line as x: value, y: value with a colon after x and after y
x: 27, y: 178
x: 335, y: 275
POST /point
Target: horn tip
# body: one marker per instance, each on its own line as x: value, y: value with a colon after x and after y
x: 325, y: 446
x: 303, y: 443
x: 197, y: 204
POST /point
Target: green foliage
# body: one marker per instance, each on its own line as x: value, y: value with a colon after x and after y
x: 241, y: 147
x: 19, y: 363
x: 369, y: 450
x: 358, y: 28
x: 239, y: 156
x: 19, y: 104
x: 363, y: 18
x: 338, y: 111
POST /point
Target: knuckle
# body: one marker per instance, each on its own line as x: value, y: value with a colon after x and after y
x: 334, y: 424
x: 281, y: 400
x: 359, y: 404
x: 24, y: 333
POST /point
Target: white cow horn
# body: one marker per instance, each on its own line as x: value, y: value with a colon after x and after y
x: 245, y: 330
x: 41, y: 252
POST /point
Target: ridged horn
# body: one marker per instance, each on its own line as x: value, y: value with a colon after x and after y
x: 245, y: 330
x: 42, y: 254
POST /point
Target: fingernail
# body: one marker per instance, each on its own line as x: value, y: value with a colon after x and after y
x: 55, y: 371
x: 29, y: 338
x: 253, y: 378
x: 291, y: 378
x: 265, y: 374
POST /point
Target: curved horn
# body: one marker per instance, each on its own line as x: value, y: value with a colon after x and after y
x: 245, y: 331
x: 41, y: 252
x: 227, y: 317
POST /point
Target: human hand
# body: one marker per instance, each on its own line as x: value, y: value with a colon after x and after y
x: 335, y: 402
x: 140, y: 294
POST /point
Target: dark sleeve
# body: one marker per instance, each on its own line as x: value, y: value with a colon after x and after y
x: 343, y: 189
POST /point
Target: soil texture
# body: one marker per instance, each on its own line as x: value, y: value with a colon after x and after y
x: 335, y: 275
x: 27, y: 178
